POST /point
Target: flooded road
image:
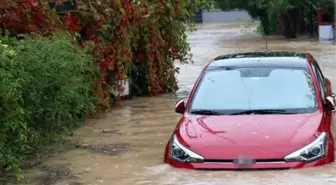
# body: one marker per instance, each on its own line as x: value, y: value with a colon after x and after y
x: 126, y: 146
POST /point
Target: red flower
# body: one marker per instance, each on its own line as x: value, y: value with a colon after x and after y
x: 174, y: 55
x: 108, y: 60
x: 108, y: 50
x: 88, y: 31
x: 102, y: 19
x: 36, y: 17
x: 121, y: 88
x: 140, y: 55
x: 163, y: 3
x: 103, y: 64
x: 26, y: 5
x: 34, y: 2
x: 160, y: 89
x: 127, y: 52
x: 115, y: 65
x: 161, y: 43
x: 125, y: 20
x: 119, y: 76
x: 95, y: 38
x: 30, y: 3
x: 71, y: 23
x: 127, y: 6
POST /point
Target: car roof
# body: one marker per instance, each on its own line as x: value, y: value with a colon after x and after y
x: 258, y: 59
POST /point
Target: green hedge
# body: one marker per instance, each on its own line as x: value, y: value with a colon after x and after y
x: 45, y: 91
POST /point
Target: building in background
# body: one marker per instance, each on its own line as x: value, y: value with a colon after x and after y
x: 220, y: 16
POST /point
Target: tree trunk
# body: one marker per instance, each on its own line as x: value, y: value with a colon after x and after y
x: 300, y: 24
x: 263, y: 17
x: 288, y: 22
x: 265, y: 23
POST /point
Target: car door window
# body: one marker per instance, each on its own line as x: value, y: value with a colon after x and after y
x: 318, y: 67
x: 320, y: 80
x: 322, y: 77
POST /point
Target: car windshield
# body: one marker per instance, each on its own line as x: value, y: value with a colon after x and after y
x: 258, y: 90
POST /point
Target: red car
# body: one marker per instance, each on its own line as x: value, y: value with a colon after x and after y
x: 256, y: 111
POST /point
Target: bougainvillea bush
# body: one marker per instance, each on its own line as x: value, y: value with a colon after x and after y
x: 135, y: 40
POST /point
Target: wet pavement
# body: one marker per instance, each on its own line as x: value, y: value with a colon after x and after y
x: 126, y: 146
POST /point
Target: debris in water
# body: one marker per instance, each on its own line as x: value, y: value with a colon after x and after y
x: 54, y: 174
x: 111, y: 149
x: 109, y: 131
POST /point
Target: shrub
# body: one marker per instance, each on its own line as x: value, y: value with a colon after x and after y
x: 45, y: 90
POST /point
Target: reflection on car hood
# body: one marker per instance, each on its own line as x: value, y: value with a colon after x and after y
x: 262, y: 136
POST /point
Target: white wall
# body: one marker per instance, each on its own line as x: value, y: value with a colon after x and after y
x: 219, y: 16
x: 124, y: 83
x: 325, y: 32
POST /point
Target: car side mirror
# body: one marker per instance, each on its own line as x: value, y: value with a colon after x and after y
x: 180, y: 106
x: 330, y: 103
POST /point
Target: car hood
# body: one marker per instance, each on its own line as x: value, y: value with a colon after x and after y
x: 258, y: 136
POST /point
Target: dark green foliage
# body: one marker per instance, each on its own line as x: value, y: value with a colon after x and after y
x: 270, y: 12
x: 45, y: 90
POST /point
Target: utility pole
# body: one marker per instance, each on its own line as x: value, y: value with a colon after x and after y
x: 266, y: 46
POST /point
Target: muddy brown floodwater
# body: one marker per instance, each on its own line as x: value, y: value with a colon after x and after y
x: 126, y: 146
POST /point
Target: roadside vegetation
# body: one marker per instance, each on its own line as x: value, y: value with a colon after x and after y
x: 287, y: 17
x: 63, y: 60
x: 45, y: 88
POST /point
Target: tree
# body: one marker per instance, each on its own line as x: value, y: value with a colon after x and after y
x: 255, y: 8
x: 287, y: 11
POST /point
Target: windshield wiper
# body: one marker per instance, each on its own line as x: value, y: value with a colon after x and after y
x: 262, y: 111
x: 206, y: 112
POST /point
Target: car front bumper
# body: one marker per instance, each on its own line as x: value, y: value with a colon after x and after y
x: 256, y: 166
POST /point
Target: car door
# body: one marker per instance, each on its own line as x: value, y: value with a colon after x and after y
x: 329, y: 116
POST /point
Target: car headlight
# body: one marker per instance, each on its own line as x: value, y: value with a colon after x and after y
x: 312, y: 152
x: 182, y: 154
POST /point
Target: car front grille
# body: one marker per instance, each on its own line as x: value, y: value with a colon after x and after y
x: 257, y: 161
x: 243, y: 169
